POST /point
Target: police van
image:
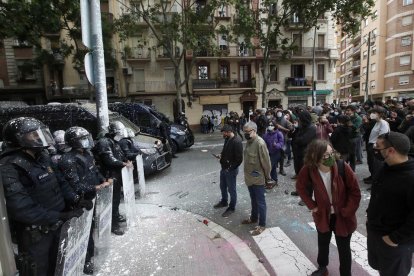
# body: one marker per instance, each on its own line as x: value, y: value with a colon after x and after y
x: 148, y: 120
x: 58, y: 116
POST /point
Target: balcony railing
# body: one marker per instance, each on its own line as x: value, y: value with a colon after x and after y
x: 356, y: 78
x: 308, y: 52
x: 139, y: 53
x: 152, y: 86
x: 226, y: 51
x: 222, y: 83
x: 298, y: 82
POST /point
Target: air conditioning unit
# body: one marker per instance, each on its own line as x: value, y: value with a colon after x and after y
x: 127, y: 71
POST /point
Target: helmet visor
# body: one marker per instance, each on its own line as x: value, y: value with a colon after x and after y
x: 39, y: 138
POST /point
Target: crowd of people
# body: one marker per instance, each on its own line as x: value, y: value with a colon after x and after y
x: 325, y: 144
x: 50, y: 179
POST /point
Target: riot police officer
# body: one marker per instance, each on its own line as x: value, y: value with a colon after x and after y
x: 128, y: 147
x: 60, y: 146
x: 112, y: 160
x: 78, y: 168
x: 35, y: 194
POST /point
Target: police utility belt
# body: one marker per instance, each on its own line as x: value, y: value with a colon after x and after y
x: 44, y: 228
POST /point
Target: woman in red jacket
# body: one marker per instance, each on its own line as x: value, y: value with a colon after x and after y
x: 330, y: 190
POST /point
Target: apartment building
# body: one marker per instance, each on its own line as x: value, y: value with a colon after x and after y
x: 376, y: 63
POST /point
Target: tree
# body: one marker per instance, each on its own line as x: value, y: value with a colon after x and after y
x: 268, y: 21
x: 57, y: 20
x: 178, y: 26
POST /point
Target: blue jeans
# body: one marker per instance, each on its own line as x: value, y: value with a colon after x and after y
x: 228, y: 184
x: 274, y: 159
x: 257, y: 197
x: 288, y: 150
x: 358, y: 147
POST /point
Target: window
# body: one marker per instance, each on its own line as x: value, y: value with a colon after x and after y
x: 374, y: 34
x: 298, y: 70
x: 139, y: 79
x: 364, y: 70
x: 321, y: 41
x: 407, y: 20
x: 407, y: 2
x: 26, y: 70
x: 224, y: 69
x: 364, y: 54
x: 243, y: 50
x: 404, y: 80
x: 223, y: 42
x: 404, y: 60
x: 295, y: 18
x: 374, y: 15
x: 273, y: 9
x: 245, y: 73
x: 373, y: 50
x: 373, y: 67
x: 372, y: 84
x: 321, y: 72
x: 273, y: 73
x: 366, y: 22
x: 203, y: 71
x: 222, y: 11
x: 406, y: 41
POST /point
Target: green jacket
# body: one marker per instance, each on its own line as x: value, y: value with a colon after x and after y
x: 257, y: 164
x: 356, y: 123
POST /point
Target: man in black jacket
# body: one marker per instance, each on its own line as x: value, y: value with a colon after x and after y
x: 390, y: 223
x: 230, y: 159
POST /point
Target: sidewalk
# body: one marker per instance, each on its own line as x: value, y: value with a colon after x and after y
x: 170, y: 241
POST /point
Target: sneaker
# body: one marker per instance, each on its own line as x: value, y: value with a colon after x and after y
x: 294, y: 193
x: 258, y: 230
x: 220, y: 205
x: 88, y: 268
x: 227, y: 213
x: 359, y: 162
x: 301, y: 203
x: 287, y: 164
x: 282, y: 173
x: 322, y: 271
x: 369, y: 178
x: 248, y: 221
x: 117, y: 231
x: 294, y: 177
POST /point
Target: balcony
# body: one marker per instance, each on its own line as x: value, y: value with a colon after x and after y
x: 356, y: 79
x: 298, y: 83
x: 225, y: 51
x: 152, y: 86
x: 356, y: 64
x: 138, y: 53
x: 294, y: 25
x: 307, y: 52
x: 222, y: 84
x: 356, y: 50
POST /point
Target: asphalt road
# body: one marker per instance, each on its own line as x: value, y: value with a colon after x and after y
x: 192, y: 184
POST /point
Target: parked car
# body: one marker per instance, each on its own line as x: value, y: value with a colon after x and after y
x: 148, y: 119
x: 63, y: 116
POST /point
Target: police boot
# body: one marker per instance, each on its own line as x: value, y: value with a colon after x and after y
x: 117, y: 230
x: 88, y: 268
x: 120, y: 218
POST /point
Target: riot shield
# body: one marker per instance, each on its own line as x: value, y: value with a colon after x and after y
x: 73, y: 243
x: 141, y: 177
x: 129, y: 196
x: 7, y: 263
x: 103, y: 220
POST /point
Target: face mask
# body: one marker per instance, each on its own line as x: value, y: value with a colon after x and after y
x: 271, y: 128
x: 373, y: 116
x: 279, y: 114
x: 269, y: 117
x: 336, y: 113
x: 247, y: 136
x: 329, y: 162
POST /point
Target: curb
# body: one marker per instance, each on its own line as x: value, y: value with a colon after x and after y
x: 244, y: 252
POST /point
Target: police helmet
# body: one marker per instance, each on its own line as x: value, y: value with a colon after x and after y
x: 118, y: 130
x: 59, y: 136
x: 27, y: 132
x: 78, y: 138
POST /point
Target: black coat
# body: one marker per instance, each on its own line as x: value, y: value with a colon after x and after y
x: 341, y: 139
x: 232, y: 153
x: 303, y: 135
x: 129, y: 149
x: 391, y: 207
x: 35, y: 192
x: 80, y: 171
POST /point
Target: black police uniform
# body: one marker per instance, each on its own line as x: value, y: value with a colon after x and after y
x: 129, y: 149
x: 112, y: 160
x: 35, y: 196
x: 80, y: 171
